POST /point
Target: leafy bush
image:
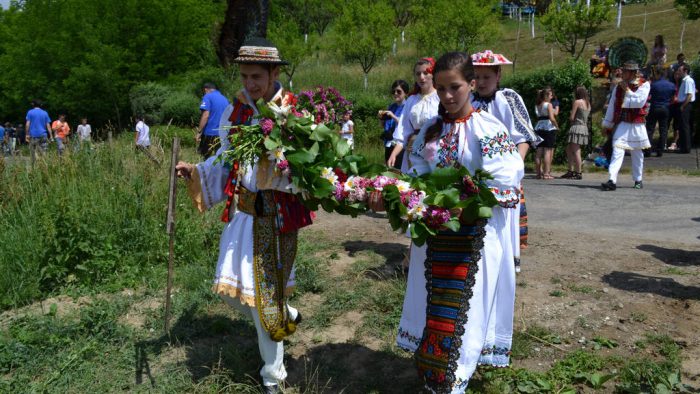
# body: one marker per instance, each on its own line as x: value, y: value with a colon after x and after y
x: 147, y: 99
x: 563, y: 80
x: 364, y: 114
x: 182, y: 108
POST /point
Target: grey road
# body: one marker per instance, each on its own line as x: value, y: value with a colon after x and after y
x: 667, y: 209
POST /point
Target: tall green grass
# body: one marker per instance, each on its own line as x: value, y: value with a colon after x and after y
x: 91, y: 220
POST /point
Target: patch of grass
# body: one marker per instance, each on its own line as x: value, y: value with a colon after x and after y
x: 555, y: 280
x: 557, y: 293
x: 639, y: 317
x: 676, y: 271
x: 580, y: 289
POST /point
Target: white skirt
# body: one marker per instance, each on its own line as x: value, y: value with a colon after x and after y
x: 234, y: 271
x: 631, y: 136
x: 488, y: 333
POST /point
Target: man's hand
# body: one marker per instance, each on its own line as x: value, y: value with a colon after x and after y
x: 184, y: 170
x: 26, y: 138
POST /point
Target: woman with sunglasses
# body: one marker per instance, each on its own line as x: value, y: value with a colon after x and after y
x: 390, y: 118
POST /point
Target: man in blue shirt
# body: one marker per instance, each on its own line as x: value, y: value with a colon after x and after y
x: 662, y: 92
x: 38, y: 127
x: 2, y: 141
x: 213, y: 105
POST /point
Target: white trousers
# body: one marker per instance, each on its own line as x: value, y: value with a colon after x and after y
x: 271, y: 352
x: 616, y: 163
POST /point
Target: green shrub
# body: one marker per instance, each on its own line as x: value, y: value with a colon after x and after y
x: 563, y: 80
x: 147, y: 99
x: 182, y: 108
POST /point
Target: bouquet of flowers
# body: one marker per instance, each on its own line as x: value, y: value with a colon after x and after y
x: 326, y: 103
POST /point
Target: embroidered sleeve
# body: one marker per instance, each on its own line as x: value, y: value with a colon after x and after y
x: 403, y: 127
x: 420, y: 157
x: 500, y: 157
x: 522, y: 127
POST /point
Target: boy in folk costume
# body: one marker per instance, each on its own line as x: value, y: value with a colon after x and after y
x: 625, y: 118
x: 255, y: 272
x: 508, y: 107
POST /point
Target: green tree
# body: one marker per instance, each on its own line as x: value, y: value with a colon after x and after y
x: 364, y: 33
x: 83, y: 56
x: 290, y: 42
x: 454, y: 25
x: 570, y: 25
x: 689, y: 8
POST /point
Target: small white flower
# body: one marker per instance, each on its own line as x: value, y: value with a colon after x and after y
x: 416, y: 212
x: 403, y: 186
x: 279, y: 110
x: 313, y: 126
x: 277, y: 155
x: 328, y: 174
x: 349, y: 185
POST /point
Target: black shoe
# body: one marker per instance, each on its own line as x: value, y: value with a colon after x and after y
x: 608, y: 186
x: 298, y: 318
x: 659, y: 154
x: 568, y: 175
x: 274, y: 389
x: 638, y: 185
x: 577, y: 176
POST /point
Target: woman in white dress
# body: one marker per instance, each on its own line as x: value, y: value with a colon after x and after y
x: 466, y: 283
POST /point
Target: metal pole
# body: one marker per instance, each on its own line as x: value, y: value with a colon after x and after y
x: 170, y: 227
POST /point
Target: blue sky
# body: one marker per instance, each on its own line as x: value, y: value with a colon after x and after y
x: 4, y: 3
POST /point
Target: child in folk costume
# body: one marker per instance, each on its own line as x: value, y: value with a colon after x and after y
x: 458, y: 309
x: 625, y: 118
x: 255, y: 270
x: 508, y: 107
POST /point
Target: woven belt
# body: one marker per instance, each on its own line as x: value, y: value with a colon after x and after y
x: 260, y: 203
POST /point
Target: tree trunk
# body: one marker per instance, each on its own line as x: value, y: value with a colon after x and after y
x: 365, y: 81
x: 393, y: 47
x: 682, y: 34
x: 532, y: 27
x: 244, y: 19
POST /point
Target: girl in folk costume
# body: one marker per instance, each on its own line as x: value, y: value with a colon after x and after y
x: 508, y: 107
x: 625, y: 118
x: 458, y: 308
x: 421, y: 106
x: 255, y: 270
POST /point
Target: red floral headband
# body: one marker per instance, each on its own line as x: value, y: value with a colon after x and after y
x: 431, y: 67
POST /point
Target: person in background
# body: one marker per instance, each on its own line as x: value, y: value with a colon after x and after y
x: 347, y: 128
x: 212, y: 107
x: 556, y: 105
x: 546, y: 128
x: 421, y: 105
x: 578, y: 132
x: 625, y: 119
x: 3, y: 140
x: 37, y: 130
x: 508, y: 107
x: 143, y: 138
x: 390, y: 118
x: 680, y: 59
x: 11, y: 134
x: 599, y: 61
x: 658, y: 52
x: 686, y: 98
x: 61, y: 129
x: 84, y: 134
x: 662, y: 92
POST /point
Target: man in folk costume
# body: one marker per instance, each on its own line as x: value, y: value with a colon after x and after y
x: 625, y: 118
x: 255, y: 272
x: 509, y: 108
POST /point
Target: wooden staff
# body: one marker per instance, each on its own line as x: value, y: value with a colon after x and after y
x: 170, y: 226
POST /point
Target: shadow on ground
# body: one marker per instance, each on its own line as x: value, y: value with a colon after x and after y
x: 392, y: 252
x: 677, y: 257
x: 351, y: 368
x: 667, y: 287
x: 209, y: 343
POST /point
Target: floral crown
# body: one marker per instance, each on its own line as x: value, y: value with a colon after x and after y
x: 488, y: 58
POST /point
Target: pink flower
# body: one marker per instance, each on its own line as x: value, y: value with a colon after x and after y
x: 436, y: 217
x: 469, y: 186
x: 267, y: 125
x: 283, y: 165
x: 339, y: 192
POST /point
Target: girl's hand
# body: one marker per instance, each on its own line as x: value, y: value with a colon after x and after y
x: 376, y: 201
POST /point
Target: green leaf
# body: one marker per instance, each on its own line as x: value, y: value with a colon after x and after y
x: 321, y: 133
x: 443, y: 177
x: 271, y: 144
x: 453, y: 224
x: 302, y: 156
x: 485, y: 212
x: 322, y: 188
x: 342, y: 147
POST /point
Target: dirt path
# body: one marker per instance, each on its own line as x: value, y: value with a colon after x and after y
x: 615, y: 265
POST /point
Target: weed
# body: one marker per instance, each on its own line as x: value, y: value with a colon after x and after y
x: 555, y: 280
x: 639, y: 317
x: 557, y: 293
x: 580, y: 289
x: 676, y: 271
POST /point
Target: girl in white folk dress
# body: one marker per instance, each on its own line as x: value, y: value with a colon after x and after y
x: 463, y: 137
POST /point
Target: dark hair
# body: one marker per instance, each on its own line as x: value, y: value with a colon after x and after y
x: 400, y: 83
x: 36, y: 103
x: 684, y: 67
x: 450, y: 61
x: 582, y: 94
x: 680, y: 55
x: 209, y: 85
x: 660, y: 39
